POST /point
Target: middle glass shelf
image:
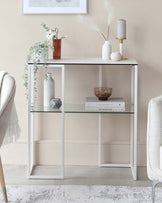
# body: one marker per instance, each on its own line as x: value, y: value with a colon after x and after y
x: 80, y: 108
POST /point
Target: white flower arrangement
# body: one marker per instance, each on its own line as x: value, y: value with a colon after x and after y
x: 52, y: 33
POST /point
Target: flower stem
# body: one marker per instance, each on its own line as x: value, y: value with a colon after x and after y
x: 103, y: 36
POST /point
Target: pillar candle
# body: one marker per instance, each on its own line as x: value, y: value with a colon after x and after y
x: 121, y: 29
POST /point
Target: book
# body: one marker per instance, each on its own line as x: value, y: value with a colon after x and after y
x: 111, y: 103
x: 112, y: 109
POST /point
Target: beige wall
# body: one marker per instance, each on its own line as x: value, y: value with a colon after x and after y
x: 18, y: 32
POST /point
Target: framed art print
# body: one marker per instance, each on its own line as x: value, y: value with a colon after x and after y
x: 54, y: 6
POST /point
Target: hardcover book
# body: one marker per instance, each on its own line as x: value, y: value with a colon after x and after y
x: 116, y: 102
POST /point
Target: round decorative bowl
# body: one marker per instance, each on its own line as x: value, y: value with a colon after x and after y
x: 103, y: 93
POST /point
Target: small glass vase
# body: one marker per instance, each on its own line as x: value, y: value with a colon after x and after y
x: 106, y: 50
x: 57, y: 48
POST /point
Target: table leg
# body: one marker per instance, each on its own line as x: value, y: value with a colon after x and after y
x: 135, y: 118
x: 100, y: 124
x: 134, y: 100
x: 63, y: 119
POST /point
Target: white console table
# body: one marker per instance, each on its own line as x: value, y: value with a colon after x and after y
x: 132, y: 110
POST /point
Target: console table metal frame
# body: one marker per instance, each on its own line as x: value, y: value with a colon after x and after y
x: 134, y: 107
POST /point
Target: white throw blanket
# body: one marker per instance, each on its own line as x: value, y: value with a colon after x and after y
x: 13, y: 130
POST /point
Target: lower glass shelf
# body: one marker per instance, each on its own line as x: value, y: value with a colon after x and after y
x: 80, y: 108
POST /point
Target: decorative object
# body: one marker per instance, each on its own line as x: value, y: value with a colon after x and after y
x: 103, y: 93
x: 54, y: 35
x: 42, y: 54
x: 113, y: 104
x: 55, y: 103
x: 116, y: 56
x: 121, y: 34
x: 57, y: 48
x: 121, y: 29
x: 54, y: 6
x: 106, y: 50
x: 38, y: 53
x: 49, y: 89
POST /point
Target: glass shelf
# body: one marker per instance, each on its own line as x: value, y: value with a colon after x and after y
x: 80, y: 108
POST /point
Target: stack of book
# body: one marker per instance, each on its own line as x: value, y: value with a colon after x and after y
x: 112, y: 104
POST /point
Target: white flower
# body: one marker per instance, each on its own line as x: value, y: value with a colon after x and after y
x: 49, y: 34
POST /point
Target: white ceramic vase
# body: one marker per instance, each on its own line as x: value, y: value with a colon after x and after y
x: 106, y: 50
x: 49, y: 89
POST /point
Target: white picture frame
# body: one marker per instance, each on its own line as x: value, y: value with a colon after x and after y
x: 29, y: 9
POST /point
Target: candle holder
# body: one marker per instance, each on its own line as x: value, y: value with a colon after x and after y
x: 121, y: 34
x: 121, y: 48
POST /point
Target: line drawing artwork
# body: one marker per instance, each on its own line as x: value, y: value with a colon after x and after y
x: 54, y: 3
x: 54, y: 6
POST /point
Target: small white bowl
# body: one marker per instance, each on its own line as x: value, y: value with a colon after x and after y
x: 115, y: 56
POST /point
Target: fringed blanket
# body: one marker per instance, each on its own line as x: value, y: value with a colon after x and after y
x: 13, y: 130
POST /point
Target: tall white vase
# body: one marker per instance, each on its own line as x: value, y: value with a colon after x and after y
x: 49, y: 89
x: 106, y: 50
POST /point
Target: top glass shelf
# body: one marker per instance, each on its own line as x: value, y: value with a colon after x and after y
x: 88, y: 61
x: 80, y: 108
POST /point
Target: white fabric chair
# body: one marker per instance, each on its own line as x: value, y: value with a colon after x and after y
x: 154, y: 140
x: 7, y: 93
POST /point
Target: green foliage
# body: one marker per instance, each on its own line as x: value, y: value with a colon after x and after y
x: 35, y: 56
x: 50, y: 33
